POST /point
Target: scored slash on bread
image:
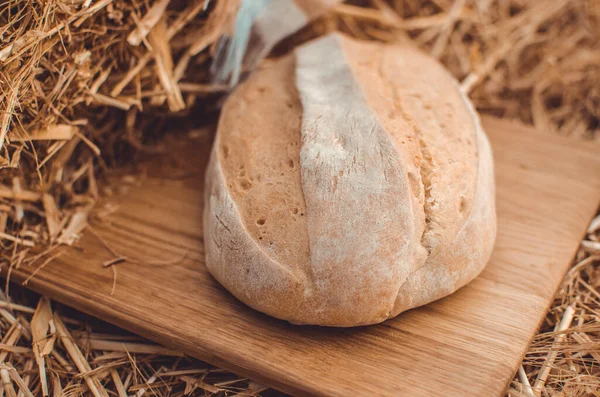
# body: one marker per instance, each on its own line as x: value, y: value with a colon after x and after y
x: 349, y: 181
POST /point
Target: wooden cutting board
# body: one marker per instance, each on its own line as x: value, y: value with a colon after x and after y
x: 468, y: 344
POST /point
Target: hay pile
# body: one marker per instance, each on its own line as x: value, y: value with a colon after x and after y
x: 533, y: 60
x: 564, y: 358
x: 86, y: 85
x: 37, y: 359
x: 83, y: 85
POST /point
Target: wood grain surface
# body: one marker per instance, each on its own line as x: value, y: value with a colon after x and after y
x: 468, y: 344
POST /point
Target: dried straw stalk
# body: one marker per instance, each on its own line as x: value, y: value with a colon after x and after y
x: 78, y: 81
x: 564, y: 358
x: 44, y: 353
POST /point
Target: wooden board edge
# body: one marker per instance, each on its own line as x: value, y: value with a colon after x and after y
x: 551, y: 301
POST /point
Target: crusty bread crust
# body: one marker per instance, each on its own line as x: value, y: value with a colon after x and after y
x: 348, y: 182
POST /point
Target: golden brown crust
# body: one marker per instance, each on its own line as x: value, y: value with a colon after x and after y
x: 344, y: 195
x: 260, y: 159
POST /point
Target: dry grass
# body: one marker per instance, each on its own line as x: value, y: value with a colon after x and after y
x: 46, y: 352
x: 564, y: 358
x: 86, y: 85
x: 533, y: 60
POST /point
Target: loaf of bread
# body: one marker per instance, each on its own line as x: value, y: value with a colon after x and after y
x: 349, y: 181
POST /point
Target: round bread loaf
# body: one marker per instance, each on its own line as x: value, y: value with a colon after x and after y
x: 349, y: 181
